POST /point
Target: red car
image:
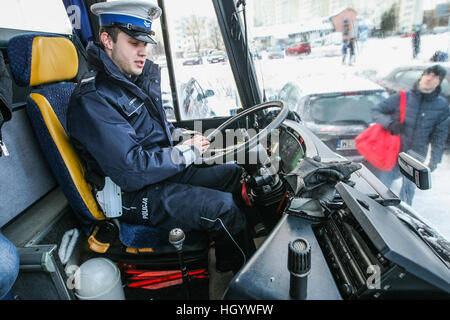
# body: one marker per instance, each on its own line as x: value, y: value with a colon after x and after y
x: 408, y: 35
x: 299, y: 48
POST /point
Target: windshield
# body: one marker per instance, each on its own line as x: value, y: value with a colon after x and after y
x: 383, y: 40
x: 343, y: 108
x: 194, y: 37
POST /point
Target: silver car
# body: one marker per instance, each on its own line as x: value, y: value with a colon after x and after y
x: 404, y: 77
x: 335, y: 108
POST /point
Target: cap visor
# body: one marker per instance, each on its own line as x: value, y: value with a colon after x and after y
x: 141, y: 36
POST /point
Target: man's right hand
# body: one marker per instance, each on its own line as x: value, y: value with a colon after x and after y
x: 199, y: 142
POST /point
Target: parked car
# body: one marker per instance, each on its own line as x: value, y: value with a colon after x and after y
x: 194, y: 100
x: 161, y: 61
x: 256, y: 54
x: 216, y: 56
x: 404, y: 77
x: 335, y: 108
x: 437, y: 30
x: 408, y: 35
x: 439, y: 56
x: 299, y: 48
x: 316, y: 42
x: 167, y: 103
x: 192, y: 59
x: 275, y: 52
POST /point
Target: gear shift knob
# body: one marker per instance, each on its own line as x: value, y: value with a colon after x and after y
x: 176, y: 238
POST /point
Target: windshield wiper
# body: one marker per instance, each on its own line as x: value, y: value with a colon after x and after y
x: 439, y: 245
x: 349, y: 121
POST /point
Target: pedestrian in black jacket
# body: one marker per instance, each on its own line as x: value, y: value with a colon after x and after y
x: 426, y: 124
x: 344, y: 50
x: 416, y: 44
x: 352, y: 49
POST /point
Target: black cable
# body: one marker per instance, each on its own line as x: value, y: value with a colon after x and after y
x: 244, y: 11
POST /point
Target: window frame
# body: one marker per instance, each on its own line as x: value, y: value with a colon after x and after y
x: 218, y: 6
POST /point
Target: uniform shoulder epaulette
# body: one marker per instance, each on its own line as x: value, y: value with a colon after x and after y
x: 87, y: 82
x: 88, y: 77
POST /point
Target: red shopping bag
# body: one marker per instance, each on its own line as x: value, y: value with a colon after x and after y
x: 378, y: 145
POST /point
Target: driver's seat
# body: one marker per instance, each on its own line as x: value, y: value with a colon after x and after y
x: 47, y: 63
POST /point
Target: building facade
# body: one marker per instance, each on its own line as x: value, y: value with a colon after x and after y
x: 410, y: 15
x: 270, y: 16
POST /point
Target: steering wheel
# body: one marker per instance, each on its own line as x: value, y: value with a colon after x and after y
x: 222, y: 154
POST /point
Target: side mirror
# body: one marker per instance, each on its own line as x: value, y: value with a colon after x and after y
x: 208, y: 93
x: 415, y: 171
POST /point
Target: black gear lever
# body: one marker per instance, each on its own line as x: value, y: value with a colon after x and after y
x: 176, y: 238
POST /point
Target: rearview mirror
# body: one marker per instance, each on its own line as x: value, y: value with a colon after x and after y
x: 209, y: 93
x: 415, y: 171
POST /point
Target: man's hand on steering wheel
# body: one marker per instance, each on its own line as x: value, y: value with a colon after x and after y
x: 199, y: 142
x: 221, y: 155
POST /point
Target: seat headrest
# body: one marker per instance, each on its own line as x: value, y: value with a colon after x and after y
x: 38, y: 58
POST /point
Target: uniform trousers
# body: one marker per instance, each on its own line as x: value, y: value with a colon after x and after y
x: 197, y: 199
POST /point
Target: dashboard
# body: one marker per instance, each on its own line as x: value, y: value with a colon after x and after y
x: 359, y: 250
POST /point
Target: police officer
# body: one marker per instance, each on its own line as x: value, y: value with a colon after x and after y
x: 119, y: 128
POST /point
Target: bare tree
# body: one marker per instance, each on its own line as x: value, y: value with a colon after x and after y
x: 215, y: 37
x: 158, y: 49
x: 194, y: 28
x: 389, y: 19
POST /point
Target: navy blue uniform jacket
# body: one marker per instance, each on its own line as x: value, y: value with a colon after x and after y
x: 119, y: 128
